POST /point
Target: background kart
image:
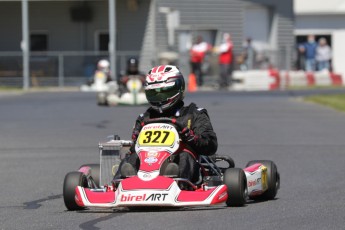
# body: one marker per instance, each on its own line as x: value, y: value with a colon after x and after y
x: 129, y: 92
x: 93, y: 185
x: 100, y: 83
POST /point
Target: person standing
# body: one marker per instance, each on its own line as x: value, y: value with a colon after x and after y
x: 300, y: 64
x: 248, y: 55
x: 197, y: 55
x: 323, y: 55
x: 310, y: 53
x: 225, y: 51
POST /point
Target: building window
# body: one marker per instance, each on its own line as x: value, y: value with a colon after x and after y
x: 103, y: 41
x: 38, y: 42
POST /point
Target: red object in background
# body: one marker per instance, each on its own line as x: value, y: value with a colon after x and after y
x: 226, y: 57
x: 192, y: 85
x: 197, y: 57
x: 336, y: 79
x: 275, y: 75
x: 310, y: 78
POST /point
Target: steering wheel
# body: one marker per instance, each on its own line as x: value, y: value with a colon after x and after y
x: 173, y: 121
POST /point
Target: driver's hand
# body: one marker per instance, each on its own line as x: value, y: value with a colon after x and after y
x: 188, y: 135
x: 135, y: 135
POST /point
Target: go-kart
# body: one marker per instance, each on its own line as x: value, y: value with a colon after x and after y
x: 130, y: 92
x: 100, y: 83
x: 94, y: 185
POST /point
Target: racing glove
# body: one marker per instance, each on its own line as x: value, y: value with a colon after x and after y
x: 188, y: 135
x: 135, y: 135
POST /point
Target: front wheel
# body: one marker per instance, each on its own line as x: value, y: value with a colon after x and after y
x: 102, y: 99
x: 72, y: 180
x: 273, y: 179
x: 236, y: 181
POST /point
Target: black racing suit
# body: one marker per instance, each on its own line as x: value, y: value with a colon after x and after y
x: 204, y: 141
x: 124, y: 77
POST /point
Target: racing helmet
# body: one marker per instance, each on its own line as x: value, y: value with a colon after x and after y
x: 103, y: 65
x: 164, y: 87
x: 132, y: 66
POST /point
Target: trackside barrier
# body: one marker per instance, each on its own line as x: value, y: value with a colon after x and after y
x: 273, y: 79
x: 336, y: 79
x: 256, y: 80
x: 276, y: 76
x: 302, y: 78
x: 293, y: 78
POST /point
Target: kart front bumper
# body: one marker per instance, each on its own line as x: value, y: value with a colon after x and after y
x: 171, y: 196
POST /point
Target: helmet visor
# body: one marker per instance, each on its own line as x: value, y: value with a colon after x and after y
x: 160, y: 95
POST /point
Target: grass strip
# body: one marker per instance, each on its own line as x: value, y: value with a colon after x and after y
x: 336, y: 101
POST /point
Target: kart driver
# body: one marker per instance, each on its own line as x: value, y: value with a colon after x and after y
x: 166, y: 99
x: 102, y: 73
x: 103, y: 69
x: 132, y: 69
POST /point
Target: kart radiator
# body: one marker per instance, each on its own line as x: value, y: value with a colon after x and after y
x: 111, y: 154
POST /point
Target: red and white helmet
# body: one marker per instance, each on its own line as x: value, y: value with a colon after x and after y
x: 164, y: 87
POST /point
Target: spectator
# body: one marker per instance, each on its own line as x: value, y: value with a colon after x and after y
x: 310, y: 53
x: 323, y: 55
x: 225, y: 60
x: 248, y: 55
x: 197, y: 54
x: 300, y: 57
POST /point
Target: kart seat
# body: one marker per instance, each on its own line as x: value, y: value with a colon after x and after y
x: 171, y: 170
x: 128, y: 170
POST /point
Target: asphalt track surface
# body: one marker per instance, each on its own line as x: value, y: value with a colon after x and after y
x: 45, y: 135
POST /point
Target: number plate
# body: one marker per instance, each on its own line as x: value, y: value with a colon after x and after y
x: 156, y: 137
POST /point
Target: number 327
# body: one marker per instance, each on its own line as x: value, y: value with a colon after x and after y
x: 154, y: 137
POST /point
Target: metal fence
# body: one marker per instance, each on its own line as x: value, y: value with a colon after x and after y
x: 75, y: 68
x: 55, y: 68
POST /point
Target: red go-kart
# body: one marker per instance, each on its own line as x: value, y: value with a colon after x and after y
x: 159, y: 140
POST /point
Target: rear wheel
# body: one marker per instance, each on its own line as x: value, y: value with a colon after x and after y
x: 95, y: 172
x: 273, y: 179
x: 236, y: 181
x: 72, y: 180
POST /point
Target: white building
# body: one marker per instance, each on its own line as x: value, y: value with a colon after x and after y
x: 323, y: 18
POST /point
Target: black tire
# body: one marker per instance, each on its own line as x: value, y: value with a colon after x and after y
x: 236, y: 181
x: 273, y: 179
x: 95, y: 172
x: 72, y: 180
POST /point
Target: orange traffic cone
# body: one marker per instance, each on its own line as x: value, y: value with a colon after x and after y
x: 192, y: 86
